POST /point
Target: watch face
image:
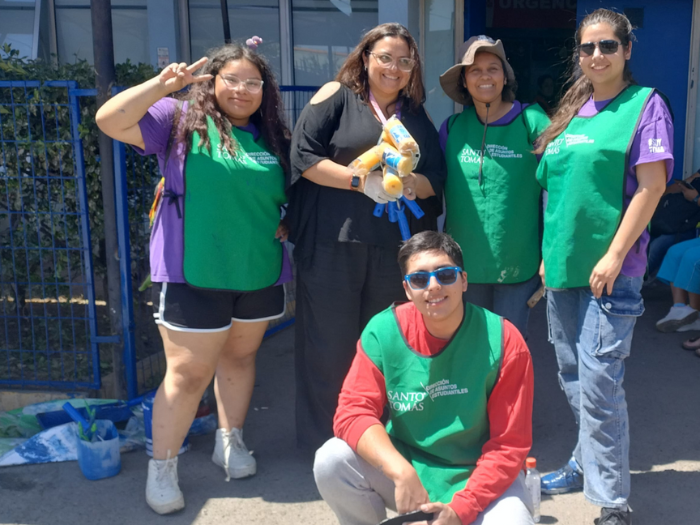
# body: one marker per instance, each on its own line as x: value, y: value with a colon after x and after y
x: 355, y: 183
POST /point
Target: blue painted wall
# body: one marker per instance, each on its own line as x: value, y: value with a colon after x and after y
x: 661, y: 55
x: 474, y: 18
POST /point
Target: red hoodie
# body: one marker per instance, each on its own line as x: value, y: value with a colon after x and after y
x: 363, y: 398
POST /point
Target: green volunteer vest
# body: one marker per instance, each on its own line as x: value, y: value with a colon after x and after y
x: 231, y: 214
x: 584, y: 172
x: 496, y: 223
x: 438, y: 404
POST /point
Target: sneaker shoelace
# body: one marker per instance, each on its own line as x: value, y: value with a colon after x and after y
x: 233, y: 440
x: 167, y: 470
x: 613, y: 517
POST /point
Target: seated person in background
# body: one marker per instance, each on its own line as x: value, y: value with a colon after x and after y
x: 458, y: 382
x: 545, y: 94
x: 674, y: 221
x: 681, y: 269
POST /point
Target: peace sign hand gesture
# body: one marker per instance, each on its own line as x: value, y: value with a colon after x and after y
x: 178, y: 76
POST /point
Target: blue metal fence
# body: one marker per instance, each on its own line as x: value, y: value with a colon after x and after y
x: 48, y: 307
x: 295, y: 99
x: 47, y: 297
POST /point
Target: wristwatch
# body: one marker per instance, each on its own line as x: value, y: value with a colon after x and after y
x: 697, y: 197
x: 354, y: 182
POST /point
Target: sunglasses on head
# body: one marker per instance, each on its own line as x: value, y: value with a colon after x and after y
x: 445, y: 276
x: 607, y: 47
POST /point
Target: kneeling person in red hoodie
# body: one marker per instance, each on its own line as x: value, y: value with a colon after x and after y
x: 458, y: 383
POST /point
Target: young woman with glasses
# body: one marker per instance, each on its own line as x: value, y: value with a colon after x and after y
x: 346, y: 257
x: 606, y: 159
x: 215, y: 245
x: 491, y: 193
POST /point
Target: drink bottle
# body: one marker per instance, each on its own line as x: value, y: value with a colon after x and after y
x: 532, y: 482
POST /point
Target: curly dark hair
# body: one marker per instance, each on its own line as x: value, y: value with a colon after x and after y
x: 353, y: 74
x: 202, y: 103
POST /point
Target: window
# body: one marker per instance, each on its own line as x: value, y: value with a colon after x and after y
x: 247, y: 18
x: 438, y: 50
x: 129, y: 27
x: 17, y: 25
x: 325, y: 32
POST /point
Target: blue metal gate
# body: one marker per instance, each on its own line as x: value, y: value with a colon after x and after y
x: 47, y: 296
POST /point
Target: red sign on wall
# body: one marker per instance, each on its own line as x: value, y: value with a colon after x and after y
x: 532, y: 14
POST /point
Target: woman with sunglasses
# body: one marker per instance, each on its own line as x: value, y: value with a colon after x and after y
x: 346, y: 257
x: 215, y: 244
x: 606, y: 159
x: 491, y: 193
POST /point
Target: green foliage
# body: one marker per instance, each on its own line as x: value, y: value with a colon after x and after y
x: 43, y: 148
x: 39, y: 195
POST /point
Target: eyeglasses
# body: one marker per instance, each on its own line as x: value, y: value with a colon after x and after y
x: 253, y: 85
x: 445, y: 276
x: 607, y: 47
x: 404, y: 63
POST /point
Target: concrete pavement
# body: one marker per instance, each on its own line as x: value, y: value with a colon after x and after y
x: 663, y: 392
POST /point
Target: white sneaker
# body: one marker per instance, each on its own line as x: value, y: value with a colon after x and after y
x: 695, y: 325
x: 163, y: 494
x: 677, y: 316
x: 231, y: 453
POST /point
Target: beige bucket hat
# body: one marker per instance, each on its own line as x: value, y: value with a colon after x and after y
x: 450, y: 80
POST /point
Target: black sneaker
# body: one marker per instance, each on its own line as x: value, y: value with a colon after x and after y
x: 610, y: 516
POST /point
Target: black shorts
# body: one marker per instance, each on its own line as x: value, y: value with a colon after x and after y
x: 183, y: 308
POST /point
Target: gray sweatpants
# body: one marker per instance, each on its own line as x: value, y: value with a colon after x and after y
x: 359, y: 494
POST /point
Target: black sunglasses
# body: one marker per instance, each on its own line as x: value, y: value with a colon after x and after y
x: 607, y: 47
x: 445, y: 276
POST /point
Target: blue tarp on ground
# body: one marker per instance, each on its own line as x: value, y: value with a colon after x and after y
x: 23, y: 441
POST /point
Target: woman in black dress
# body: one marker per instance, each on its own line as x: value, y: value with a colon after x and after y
x: 346, y: 257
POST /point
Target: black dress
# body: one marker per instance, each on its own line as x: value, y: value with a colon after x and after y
x: 347, y: 268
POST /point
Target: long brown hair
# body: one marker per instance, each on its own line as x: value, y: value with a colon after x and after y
x: 269, y: 118
x: 353, y: 74
x: 581, y: 88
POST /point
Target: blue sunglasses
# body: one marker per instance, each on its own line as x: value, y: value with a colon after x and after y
x: 445, y: 276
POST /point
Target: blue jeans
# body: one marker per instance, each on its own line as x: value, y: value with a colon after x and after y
x: 506, y: 300
x: 592, y: 338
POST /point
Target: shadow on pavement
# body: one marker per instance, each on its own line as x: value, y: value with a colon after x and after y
x: 663, y: 388
x: 662, y: 383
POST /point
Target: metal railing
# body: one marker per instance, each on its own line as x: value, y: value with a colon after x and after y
x: 47, y: 298
x: 295, y: 99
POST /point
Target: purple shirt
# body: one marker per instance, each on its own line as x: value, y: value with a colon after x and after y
x: 653, y: 141
x: 167, y: 243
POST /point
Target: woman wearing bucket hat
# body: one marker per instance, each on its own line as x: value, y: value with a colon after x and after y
x: 606, y: 159
x: 491, y: 193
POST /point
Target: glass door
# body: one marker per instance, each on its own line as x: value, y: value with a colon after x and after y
x: 437, y: 43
